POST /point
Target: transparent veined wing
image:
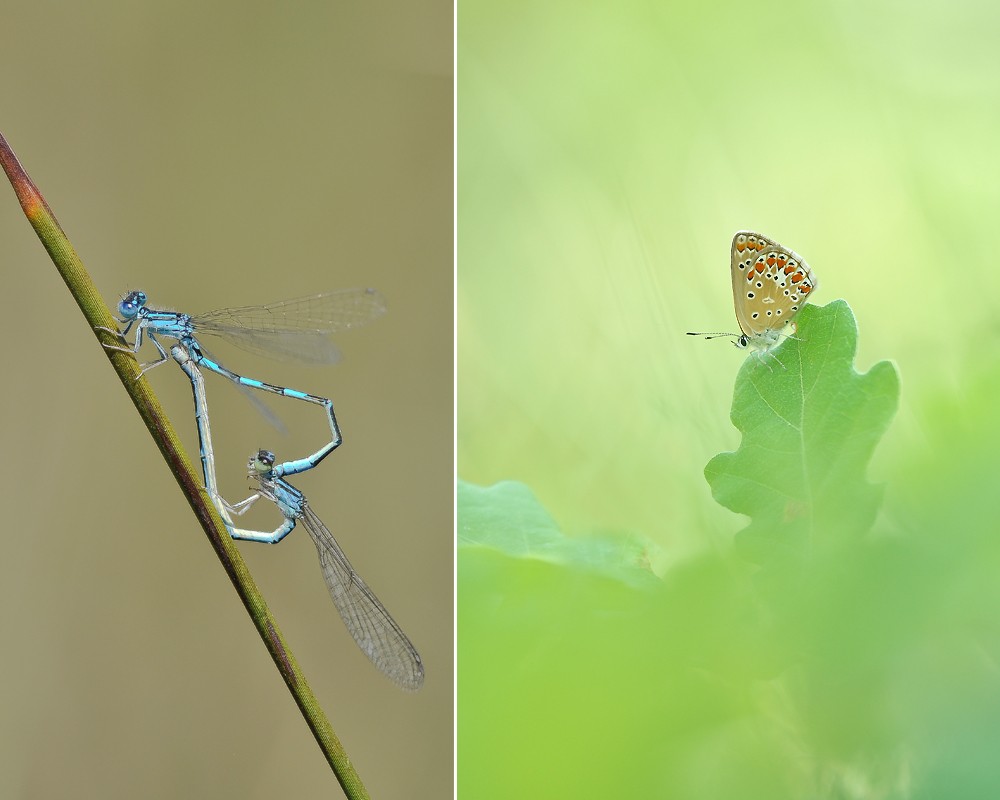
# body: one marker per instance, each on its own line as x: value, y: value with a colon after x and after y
x: 375, y: 631
x: 296, y: 329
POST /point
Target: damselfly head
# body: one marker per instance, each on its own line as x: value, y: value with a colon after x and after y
x: 260, y: 463
x: 131, y: 304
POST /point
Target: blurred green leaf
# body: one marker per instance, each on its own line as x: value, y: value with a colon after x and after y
x: 810, y: 423
x: 508, y: 517
x: 563, y: 658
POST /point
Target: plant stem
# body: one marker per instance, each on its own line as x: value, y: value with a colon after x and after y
x: 98, y: 315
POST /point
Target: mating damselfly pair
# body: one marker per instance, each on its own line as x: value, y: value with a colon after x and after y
x: 294, y: 329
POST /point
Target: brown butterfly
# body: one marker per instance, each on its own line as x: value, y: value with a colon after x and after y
x: 770, y: 286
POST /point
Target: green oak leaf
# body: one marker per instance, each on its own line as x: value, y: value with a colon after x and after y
x: 810, y: 423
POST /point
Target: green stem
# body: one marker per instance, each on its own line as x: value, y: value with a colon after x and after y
x: 98, y: 315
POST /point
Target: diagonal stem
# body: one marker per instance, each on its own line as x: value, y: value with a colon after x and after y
x: 98, y: 315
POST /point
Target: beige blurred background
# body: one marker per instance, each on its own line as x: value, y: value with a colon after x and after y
x: 224, y: 154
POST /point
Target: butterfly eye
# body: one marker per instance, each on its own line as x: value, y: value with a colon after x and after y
x: 742, y: 342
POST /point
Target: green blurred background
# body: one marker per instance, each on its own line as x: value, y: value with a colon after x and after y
x: 606, y: 158
x: 607, y: 154
x: 224, y: 154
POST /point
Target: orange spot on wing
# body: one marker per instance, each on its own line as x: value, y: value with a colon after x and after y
x: 770, y: 260
x: 789, y: 270
x: 798, y: 276
x: 805, y: 289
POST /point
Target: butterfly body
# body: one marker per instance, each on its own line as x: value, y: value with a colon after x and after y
x: 770, y: 285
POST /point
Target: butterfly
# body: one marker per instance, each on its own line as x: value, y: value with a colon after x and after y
x: 770, y: 285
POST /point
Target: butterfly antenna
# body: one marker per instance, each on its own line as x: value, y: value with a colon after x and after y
x: 713, y: 335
